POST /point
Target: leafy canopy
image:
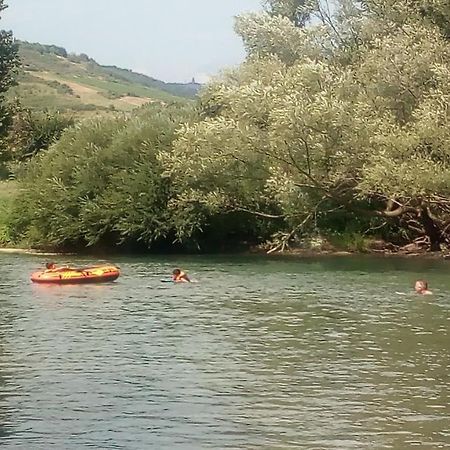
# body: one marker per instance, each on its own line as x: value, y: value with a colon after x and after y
x: 337, y: 119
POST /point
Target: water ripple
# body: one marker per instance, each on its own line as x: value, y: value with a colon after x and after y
x: 259, y: 354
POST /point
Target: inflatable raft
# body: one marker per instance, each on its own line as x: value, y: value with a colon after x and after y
x: 68, y: 275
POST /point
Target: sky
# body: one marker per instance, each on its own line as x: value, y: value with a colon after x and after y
x: 171, y: 40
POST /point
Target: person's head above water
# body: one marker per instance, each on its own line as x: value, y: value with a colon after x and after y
x: 50, y: 265
x: 421, y: 287
x: 179, y: 275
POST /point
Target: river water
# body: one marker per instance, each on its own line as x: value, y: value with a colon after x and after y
x: 260, y: 353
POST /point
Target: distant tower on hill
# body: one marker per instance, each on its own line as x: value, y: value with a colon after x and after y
x: 193, y: 81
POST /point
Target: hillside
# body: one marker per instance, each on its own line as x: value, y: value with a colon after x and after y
x: 52, y: 79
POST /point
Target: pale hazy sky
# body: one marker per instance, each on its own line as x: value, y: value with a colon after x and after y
x: 172, y: 40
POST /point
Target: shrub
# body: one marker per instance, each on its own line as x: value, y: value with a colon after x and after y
x: 101, y: 182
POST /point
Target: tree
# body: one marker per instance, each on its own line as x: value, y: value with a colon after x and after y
x: 296, y: 11
x: 435, y: 11
x: 102, y: 181
x: 265, y: 35
x: 333, y: 124
x: 9, y: 62
x: 31, y: 132
x: 340, y: 126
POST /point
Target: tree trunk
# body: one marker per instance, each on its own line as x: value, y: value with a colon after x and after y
x: 431, y: 229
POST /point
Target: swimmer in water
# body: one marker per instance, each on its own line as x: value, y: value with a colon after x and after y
x: 178, y: 276
x: 421, y: 287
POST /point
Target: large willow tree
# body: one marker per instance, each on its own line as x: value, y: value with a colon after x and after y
x: 343, y: 122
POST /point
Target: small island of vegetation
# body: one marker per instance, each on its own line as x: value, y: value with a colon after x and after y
x: 333, y: 132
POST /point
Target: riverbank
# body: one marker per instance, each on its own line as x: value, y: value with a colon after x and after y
x: 291, y: 252
x: 307, y: 253
x: 25, y: 251
x: 373, y: 247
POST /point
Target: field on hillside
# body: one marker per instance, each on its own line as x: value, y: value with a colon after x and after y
x: 52, y: 80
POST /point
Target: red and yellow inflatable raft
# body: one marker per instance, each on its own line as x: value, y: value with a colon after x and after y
x: 68, y: 275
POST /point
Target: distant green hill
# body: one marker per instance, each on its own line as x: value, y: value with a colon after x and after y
x: 51, y: 79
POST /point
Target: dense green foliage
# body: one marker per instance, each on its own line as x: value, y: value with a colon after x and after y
x: 104, y: 183
x: 337, y: 125
x: 296, y: 11
x: 29, y: 133
x: 8, y: 57
x: 8, y: 65
x: 8, y: 191
x: 101, y: 181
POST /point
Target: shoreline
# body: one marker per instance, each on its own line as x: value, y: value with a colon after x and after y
x: 29, y: 251
x: 293, y: 253
x: 306, y: 253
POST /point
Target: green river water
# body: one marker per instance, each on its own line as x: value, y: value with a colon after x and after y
x: 260, y: 353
